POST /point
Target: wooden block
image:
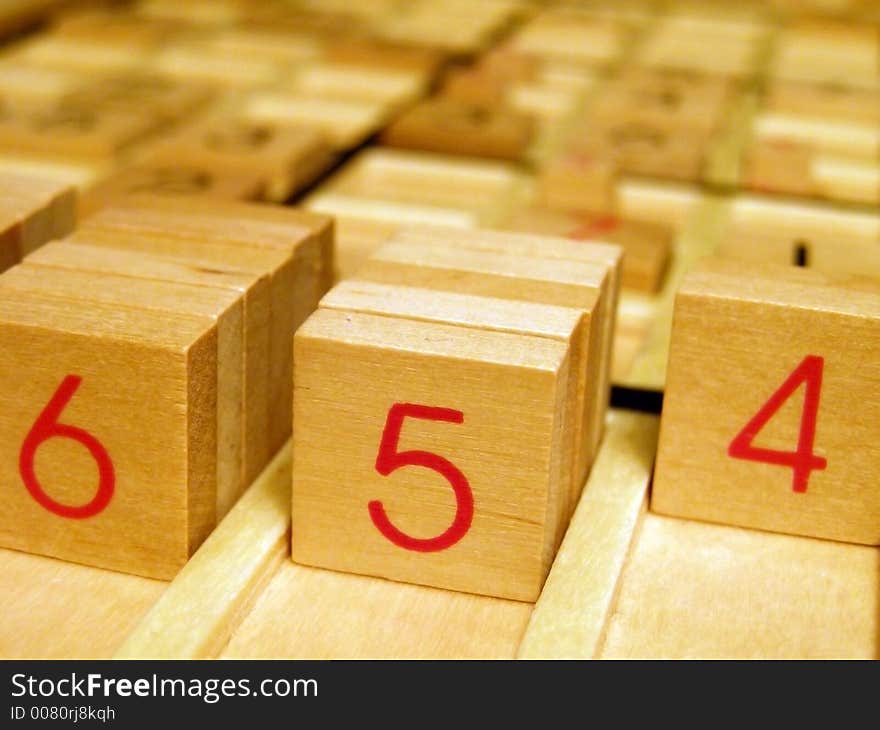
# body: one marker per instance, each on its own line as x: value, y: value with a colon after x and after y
x: 285, y: 159
x: 569, y: 326
x: 223, y: 307
x: 392, y: 87
x: 796, y: 169
x: 345, y: 122
x: 647, y: 247
x: 454, y: 127
x: 398, y: 186
x: 363, y: 53
x: 827, y: 249
x: 32, y: 211
x: 289, y: 244
x: 746, y: 342
x: 579, y: 285
x: 495, y: 440
x: 156, y: 96
x: 824, y: 101
x: 126, y: 396
x: 643, y: 149
x: 578, y: 181
x: 171, y: 174
x: 73, y: 132
x: 309, y: 235
x: 581, y: 260
x: 231, y: 271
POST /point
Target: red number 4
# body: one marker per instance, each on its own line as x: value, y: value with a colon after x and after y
x: 390, y: 459
x: 803, y: 460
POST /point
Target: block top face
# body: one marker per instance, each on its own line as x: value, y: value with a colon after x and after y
x: 101, y: 259
x: 773, y: 370
x: 90, y: 286
x: 489, y: 262
x: 185, y: 220
x: 457, y: 343
x: 504, y: 315
x: 521, y: 244
x: 176, y: 333
x: 256, y: 213
x: 786, y: 286
x: 351, y: 371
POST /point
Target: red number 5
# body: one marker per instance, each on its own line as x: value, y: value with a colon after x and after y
x: 389, y: 459
x: 45, y: 427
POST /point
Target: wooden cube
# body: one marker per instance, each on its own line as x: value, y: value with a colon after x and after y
x: 285, y: 159
x: 771, y: 407
x: 234, y: 270
x: 32, y: 211
x: 510, y: 267
x: 291, y: 246
x: 73, y: 132
x: 456, y: 127
x: 172, y: 175
x: 107, y: 433
x: 376, y: 397
x: 222, y: 306
x: 563, y: 324
x: 644, y: 148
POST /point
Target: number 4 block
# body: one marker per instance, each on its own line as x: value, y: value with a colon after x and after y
x: 772, y: 409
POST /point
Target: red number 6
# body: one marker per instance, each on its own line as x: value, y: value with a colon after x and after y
x: 45, y: 427
x: 389, y: 458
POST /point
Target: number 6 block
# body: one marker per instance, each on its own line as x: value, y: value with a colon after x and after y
x: 771, y: 416
x: 428, y: 453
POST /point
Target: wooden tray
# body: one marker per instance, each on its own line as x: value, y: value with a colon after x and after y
x: 626, y: 583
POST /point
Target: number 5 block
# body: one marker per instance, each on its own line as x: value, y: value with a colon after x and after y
x: 771, y: 415
x: 428, y: 453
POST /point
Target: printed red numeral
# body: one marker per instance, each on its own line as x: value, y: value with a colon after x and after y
x: 389, y: 459
x: 803, y: 460
x: 47, y: 426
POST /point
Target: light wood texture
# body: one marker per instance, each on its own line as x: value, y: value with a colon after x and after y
x: 709, y: 591
x: 515, y: 266
x: 345, y: 123
x: 824, y: 102
x: 510, y: 390
x: 229, y: 276
x: 740, y: 332
x: 273, y: 266
x: 201, y: 609
x: 148, y: 395
x: 222, y: 306
x: 73, y: 133
x: 53, y: 609
x: 32, y: 211
x: 647, y: 247
x: 568, y: 326
x: 171, y: 174
x: 284, y: 159
x: 399, y: 186
x: 301, y: 242
x: 642, y: 148
x: 310, y: 613
x: 456, y: 127
x: 571, y: 616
